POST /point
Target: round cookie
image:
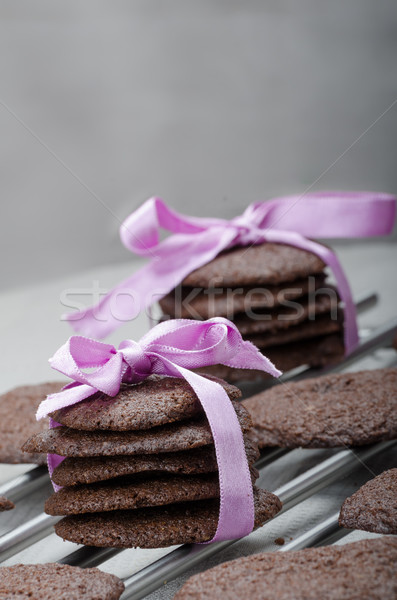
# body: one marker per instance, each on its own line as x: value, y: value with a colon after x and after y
x: 185, y: 523
x: 73, y: 471
x: 266, y: 263
x: 52, y: 581
x: 364, y: 569
x: 348, y: 409
x: 123, y: 495
x: 374, y: 506
x: 323, y: 325
x: 286, y: 317
x: 314, y: 352
x: 199, y: 303
x: 166, y: 438
x: 18, y: 421
x: 155, y: 401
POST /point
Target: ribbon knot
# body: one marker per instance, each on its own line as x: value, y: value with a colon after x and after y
x: 137, y: 362
x: 246, y: 233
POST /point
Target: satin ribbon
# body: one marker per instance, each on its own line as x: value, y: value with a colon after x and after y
x: 173, y: 348
x: 196, y: 241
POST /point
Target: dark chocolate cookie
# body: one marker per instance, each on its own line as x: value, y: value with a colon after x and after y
x: 126, y: 494
x: 314, y: 352
x: 349, y: 409
x: 266, y: 263
x: 323, y: 325
x: 18, y: 421
x: 166, y: 438
x: 199, y: 303
x: 155, y: 401
x: 285, y: 317
x: 190, y: 522
x: 374, y: 506
x: 52, y: 581
x: 100, y: 468
x: 363, y: 570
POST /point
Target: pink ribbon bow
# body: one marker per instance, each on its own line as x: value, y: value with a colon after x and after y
x: 196, y: 241
x: 173, y: 348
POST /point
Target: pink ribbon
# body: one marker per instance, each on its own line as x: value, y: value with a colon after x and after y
x: 173, y: 348
x: 196, y: 241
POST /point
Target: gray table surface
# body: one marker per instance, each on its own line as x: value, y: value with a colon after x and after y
x: 32, y: 331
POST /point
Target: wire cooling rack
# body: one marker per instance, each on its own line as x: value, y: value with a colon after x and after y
x: 330, y: 467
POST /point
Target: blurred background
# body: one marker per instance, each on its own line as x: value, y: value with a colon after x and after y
x: 210, y: 105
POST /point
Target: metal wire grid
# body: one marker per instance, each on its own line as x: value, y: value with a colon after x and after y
x: 185, y: 557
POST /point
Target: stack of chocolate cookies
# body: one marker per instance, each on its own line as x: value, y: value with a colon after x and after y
x: 278, y: 297
x: 140, y: 468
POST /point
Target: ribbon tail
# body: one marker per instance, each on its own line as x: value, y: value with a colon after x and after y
x: 351, y: 337
x: 328, y: 214
x: 66, y: 397
x: 123, y: 303
x: 252, y: 358
x: 236, y: 511
x: 54, y: 460
x: 150, y: 283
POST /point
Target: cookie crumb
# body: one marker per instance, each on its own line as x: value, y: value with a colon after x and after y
x: 279, y: 541
x: 6, y: 504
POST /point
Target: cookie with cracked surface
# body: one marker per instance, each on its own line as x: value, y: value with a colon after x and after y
x: 364, y: 569
x: 131, y: 493
x: 266, y: 263
x: 165, y: 438
x: 18, y: 421
x: 290, y: 315
x: 374, y: 506
x: 156, y: 401
x: 201, y: 303
x: 348, y: 409
x: 157, y: 527
x: 52, y: 581
x: 314, y: 352
x: 73, y: 471
x: 323, y: 325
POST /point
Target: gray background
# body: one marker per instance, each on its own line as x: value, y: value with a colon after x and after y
x: 209, y: 104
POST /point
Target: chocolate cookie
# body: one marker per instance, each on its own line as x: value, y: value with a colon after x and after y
x: 127, y: 494
x: 323, y: 325
x: 266, y: 263
x: 99, y: 468
x: 61, y: 582
x: 315, y: 352
x: 18, y: 421
x: 166, y: 438
x: 155, y: 401
x: 199, y: 303
x: 190, y: 522
x: 284, y: 317
x: 349, y: 409
x: 362, y: 570
x: 6, y: 504
x: 374, y: 506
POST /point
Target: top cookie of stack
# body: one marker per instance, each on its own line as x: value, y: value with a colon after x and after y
x: 278, y: 297
x: 141, y: 467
